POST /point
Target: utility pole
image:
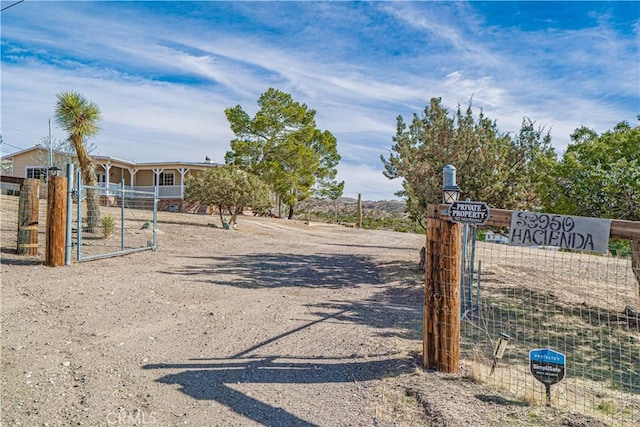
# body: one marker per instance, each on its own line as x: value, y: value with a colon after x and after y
x: 50, y: 147
x: 55, y: 248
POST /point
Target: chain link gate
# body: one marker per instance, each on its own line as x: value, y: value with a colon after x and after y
x: 112, y: 221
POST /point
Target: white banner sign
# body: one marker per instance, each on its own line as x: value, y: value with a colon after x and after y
x: 563, y: 231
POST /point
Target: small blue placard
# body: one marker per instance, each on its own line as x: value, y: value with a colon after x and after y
x: 547, y: 355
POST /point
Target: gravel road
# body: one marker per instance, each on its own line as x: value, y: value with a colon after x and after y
x: 276, y: 323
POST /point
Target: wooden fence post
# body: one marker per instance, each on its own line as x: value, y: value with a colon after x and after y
x: 56, y: 221
x: 359, y: 213
x: 28, y: 212
x: 441, y: 316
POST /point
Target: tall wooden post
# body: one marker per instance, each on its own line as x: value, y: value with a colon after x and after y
x: 441, y: 317
x: 56, y: 221
x: 28, y: 212
x: 359, y: 210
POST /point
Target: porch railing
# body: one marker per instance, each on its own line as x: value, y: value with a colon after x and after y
x: 164, y: 191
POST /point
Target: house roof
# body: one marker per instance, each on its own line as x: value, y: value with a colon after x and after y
x: 127, y: 163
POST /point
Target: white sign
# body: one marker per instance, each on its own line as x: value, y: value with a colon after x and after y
x: 563, y: 231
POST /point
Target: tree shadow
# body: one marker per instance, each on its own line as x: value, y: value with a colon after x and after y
x: 391, y: 320
x: 396, y: 308
x: 212, y: 379
x: 254, y: 271
x: 395, y: 248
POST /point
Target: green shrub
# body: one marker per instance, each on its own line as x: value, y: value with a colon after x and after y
x: 107, y: 224
x: 620, y: 248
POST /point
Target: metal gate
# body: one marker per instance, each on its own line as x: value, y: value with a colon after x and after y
x: 112, y: 221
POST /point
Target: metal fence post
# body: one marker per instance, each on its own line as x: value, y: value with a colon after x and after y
x: 68, y: 241
x: 122, y: 215
x: 155, y: 219
x: 79, y: 217
x: 472, y: 263
x: 463, y: 269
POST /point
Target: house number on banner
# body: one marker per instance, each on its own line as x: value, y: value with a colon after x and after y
x: 563, y: 231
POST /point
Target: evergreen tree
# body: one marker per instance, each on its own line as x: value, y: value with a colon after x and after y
x: 492, y: 166
x: 282, y: 146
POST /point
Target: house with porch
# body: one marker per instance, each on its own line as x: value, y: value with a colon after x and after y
x: 168, y: 178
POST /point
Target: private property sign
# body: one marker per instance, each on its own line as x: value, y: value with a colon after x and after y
x: 469, y: 212
x: 563, y: 231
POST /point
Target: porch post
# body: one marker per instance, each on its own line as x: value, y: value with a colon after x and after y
x: 157, y: 180
x: 183, y: 172
x: 133, y: 173
x: 107, y: 168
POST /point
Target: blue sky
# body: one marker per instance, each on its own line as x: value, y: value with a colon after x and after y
x: 163, y: 72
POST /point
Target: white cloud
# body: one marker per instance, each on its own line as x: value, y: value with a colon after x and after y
x: 367, y: 181
x: 163, y: 81
x: 138, y: 116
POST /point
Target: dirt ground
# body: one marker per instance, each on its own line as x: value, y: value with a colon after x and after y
x: 276, y: 323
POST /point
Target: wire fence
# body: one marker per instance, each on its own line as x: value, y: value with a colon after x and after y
x: 119, y: 222
x: 114, y: 222
x: 582, y: 305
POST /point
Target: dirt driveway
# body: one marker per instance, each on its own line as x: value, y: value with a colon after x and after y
x: 277, y: 323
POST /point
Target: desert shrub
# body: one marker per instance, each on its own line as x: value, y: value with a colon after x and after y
x: 620, y: 248
x: 107, y: 223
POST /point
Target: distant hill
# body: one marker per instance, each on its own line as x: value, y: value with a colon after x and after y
x: 347, y: 206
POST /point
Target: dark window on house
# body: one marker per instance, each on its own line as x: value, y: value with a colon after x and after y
x: 37, y: 173
x: 166, y: 179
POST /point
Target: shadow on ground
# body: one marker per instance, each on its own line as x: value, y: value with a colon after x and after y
x: 16, y: 259
x: 214, y: 380
x: 395, y: 308
x: 284, y: 270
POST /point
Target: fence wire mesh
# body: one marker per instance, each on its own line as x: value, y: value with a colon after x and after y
x: 114, y: 222
x: 582, y: 305
x: 125, y: 222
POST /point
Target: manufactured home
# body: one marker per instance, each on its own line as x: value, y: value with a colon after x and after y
x: 167, y: 178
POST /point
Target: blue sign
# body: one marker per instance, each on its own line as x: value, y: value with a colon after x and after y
x: 547, y: 355
x: 547, y: 366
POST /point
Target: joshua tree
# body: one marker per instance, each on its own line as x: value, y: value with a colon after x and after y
x: 79, y: 118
